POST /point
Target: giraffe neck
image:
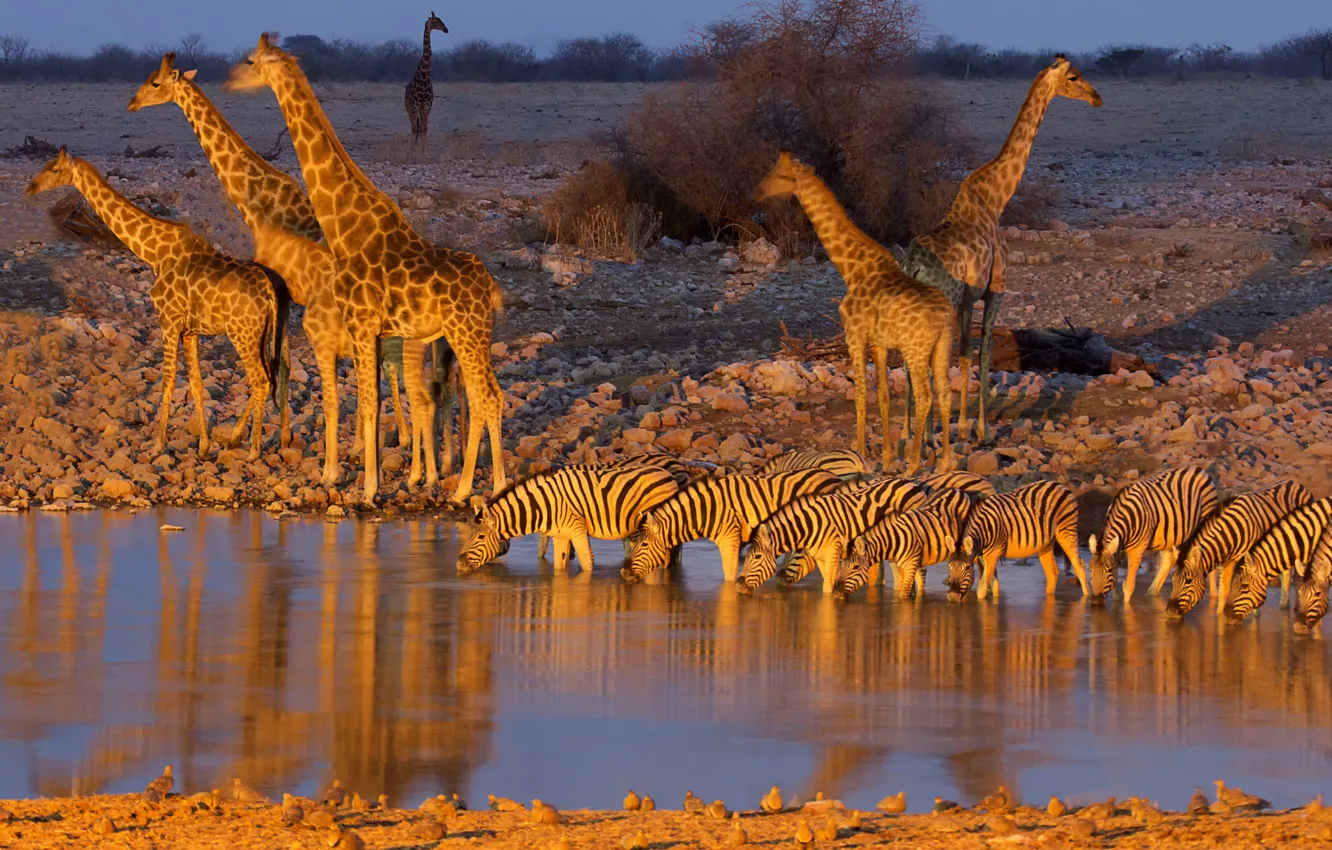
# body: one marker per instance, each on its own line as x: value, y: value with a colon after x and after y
x: 334, y: 181
x: 154, y: 240
x: 998, y: 179
x: 239, y: 168
x: 842, y: 239
x: 423, y: 67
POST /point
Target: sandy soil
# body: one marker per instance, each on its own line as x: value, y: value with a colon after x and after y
x: 1191, y: 226
x: 40, y: 824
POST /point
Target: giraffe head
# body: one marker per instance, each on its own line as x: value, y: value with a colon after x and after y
x: 257, y: 69
x: 56, y: 173
x: 1069, y: 82
x: 160, y: 87
x: 434, y: 23
x: 781, y: 180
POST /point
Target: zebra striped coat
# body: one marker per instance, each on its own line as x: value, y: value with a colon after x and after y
x: 911, y: 540
x: 724, y: 510
x: 1029, y: 521
x: 670, y: 463
x: 844, y: 463
x: 1158, y: 514
x: 1311, y: 598
x: 1287, y: 544
x: 824, y: 526
x: 1224, y: 538
x: 572, y: 504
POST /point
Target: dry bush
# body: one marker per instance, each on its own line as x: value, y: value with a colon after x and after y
x: 593, y: 210
x: 825, y: 79
x: 1252, y: 146
x: 1033, y: 205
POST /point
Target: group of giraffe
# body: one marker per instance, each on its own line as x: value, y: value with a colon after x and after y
x: 920, y: 305
x: 341, y: 248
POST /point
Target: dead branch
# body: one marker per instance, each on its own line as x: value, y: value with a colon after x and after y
x: 32, y: 147
x: 155, y: 152
x: 275, y: 151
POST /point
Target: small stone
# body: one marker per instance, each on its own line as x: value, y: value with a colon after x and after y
x: 115, y: 487
x: 982, y: 463
x: 219, y: 494
x: 676, y: 440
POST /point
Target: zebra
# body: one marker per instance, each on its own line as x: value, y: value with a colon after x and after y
x: 1030, y: 520
x: 1314, y: 581
x: 1224, y: 538
x: 967, y: 482
x: 911, y: 541
x: 573, y: 504
x: 724, y: 510
x: 846, y: 464
x: 823, y: 527
x: 670, y: 463
x: 1287, y: 545
x: 1159, y: 514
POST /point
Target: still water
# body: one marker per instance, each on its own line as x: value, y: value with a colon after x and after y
x: 288, y: 653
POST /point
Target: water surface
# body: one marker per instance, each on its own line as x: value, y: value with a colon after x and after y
x: 287, y: 653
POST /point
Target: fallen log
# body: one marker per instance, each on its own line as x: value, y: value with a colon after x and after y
x: 32, y: 147
x: 1070, y: 349
x: 72, y: 214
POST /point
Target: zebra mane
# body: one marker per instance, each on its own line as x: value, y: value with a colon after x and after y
x: 513, y: 485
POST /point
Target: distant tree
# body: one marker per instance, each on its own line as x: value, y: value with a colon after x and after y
x: 1210, y: 57
x: 1120, y: 60
x: 191, y: 50
x: 14, y: 50
x: 1318, y: 43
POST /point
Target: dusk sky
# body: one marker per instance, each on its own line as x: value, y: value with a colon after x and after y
x: 81, y: 25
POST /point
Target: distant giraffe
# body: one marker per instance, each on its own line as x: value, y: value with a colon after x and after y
x: 420, y: 94
x: 288, y: 240
x: 199, y: 290
x: 883, y: 309
x: 389, y: 281
x: 964, y: 255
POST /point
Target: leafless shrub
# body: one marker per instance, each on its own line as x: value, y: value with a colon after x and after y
x: 593, y: 210
x: 1033, y: 204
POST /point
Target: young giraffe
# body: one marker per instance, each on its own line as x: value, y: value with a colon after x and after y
x: 288, y: 240
x: 420, y: 95
x: 389, y: 281
x: 964, y: 255
x: 883, y: 308
x: 199, y: 290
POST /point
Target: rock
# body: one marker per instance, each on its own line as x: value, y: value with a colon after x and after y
x: 1141, y: 380
x: 676, y: 440
x: 529, y: 447
x: 761, y: 252
x: 733, y: 448
x: 1186, y: 433
x: 669, y: 244
x: 639, y: 435
x: 729, y: 403
x: 1323, y: 450
x: 62, y: 491
x: 983, y: 463
x: 219, y: 494
x: 120, y: 462
x: 650, y: 421
x: 115, y: 487
x: 781, y: 377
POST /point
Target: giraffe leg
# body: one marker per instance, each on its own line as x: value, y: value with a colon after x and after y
x: 391, y: 373
x: 943, y: 396
x: 170, y: 350
x: 964, y: 366
x: 366, y: 355
x: 252, y: 361
x: 483, y: 392
x: 196, y: 389
x: 920, y: 372
x: 283, y: 381
x: 326, y: 361
x: 441, y: 393
x: 859, y: 375
x: 992, y: 301
x: 423, y: 413
x: 881, y: 386
x: 425, y: 116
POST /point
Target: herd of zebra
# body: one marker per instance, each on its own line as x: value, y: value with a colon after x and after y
x: 824, y: 510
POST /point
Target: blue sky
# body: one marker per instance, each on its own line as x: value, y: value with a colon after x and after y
x: 80, y: 25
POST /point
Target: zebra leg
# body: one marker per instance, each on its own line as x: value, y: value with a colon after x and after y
x: 1134, y: 558
x: 1069, y: 544
x: 1221, y: 583
x: 582, y: 546
x: 920, y: 582
x: 829, y: 561
x: 1165, y: 562
x: 543, y: 545
x: 728, y: 543
x: 561, y: 545
x: 1285, y: 588
x: 1047, y: 559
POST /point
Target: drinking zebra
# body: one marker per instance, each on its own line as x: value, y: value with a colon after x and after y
x: 1311, y: 598
x: 911, y: 541
x: 1287, y: 544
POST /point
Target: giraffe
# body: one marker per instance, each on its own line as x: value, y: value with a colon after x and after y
x: 883, y: 308
x: 288, y: 240
x: 199, y: 290
x: 964, y: 255
x: 420, y: 95
x: 388, y: 280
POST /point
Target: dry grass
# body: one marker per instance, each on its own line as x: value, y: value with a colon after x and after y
x: 1033, y: 205
x: 593, y: 210
x: 405, y: 150
x: 1250, y: 146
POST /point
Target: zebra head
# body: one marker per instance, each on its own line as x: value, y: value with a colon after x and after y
x: 1248, y: 594
x: 853, y: 572
x: 486, y: 544
x: 961, y: 568
x: 1104, y: 574
x: 1311, y: 599
x: 1187, y: 585
x: 760, y: 560
x: 650, y: 552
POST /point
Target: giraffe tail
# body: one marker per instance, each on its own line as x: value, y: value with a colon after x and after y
x: 277, y: 330
x: 496, y: 296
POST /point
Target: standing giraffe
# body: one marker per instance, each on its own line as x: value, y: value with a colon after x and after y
x: 199, y: 290
x: 883, y: 308
x: 420, y: 95
x: 964, y: 255
x: 288, y: 240
x: 389, y: 281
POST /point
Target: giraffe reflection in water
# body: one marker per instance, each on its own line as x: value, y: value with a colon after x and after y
x: 288, y: 653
